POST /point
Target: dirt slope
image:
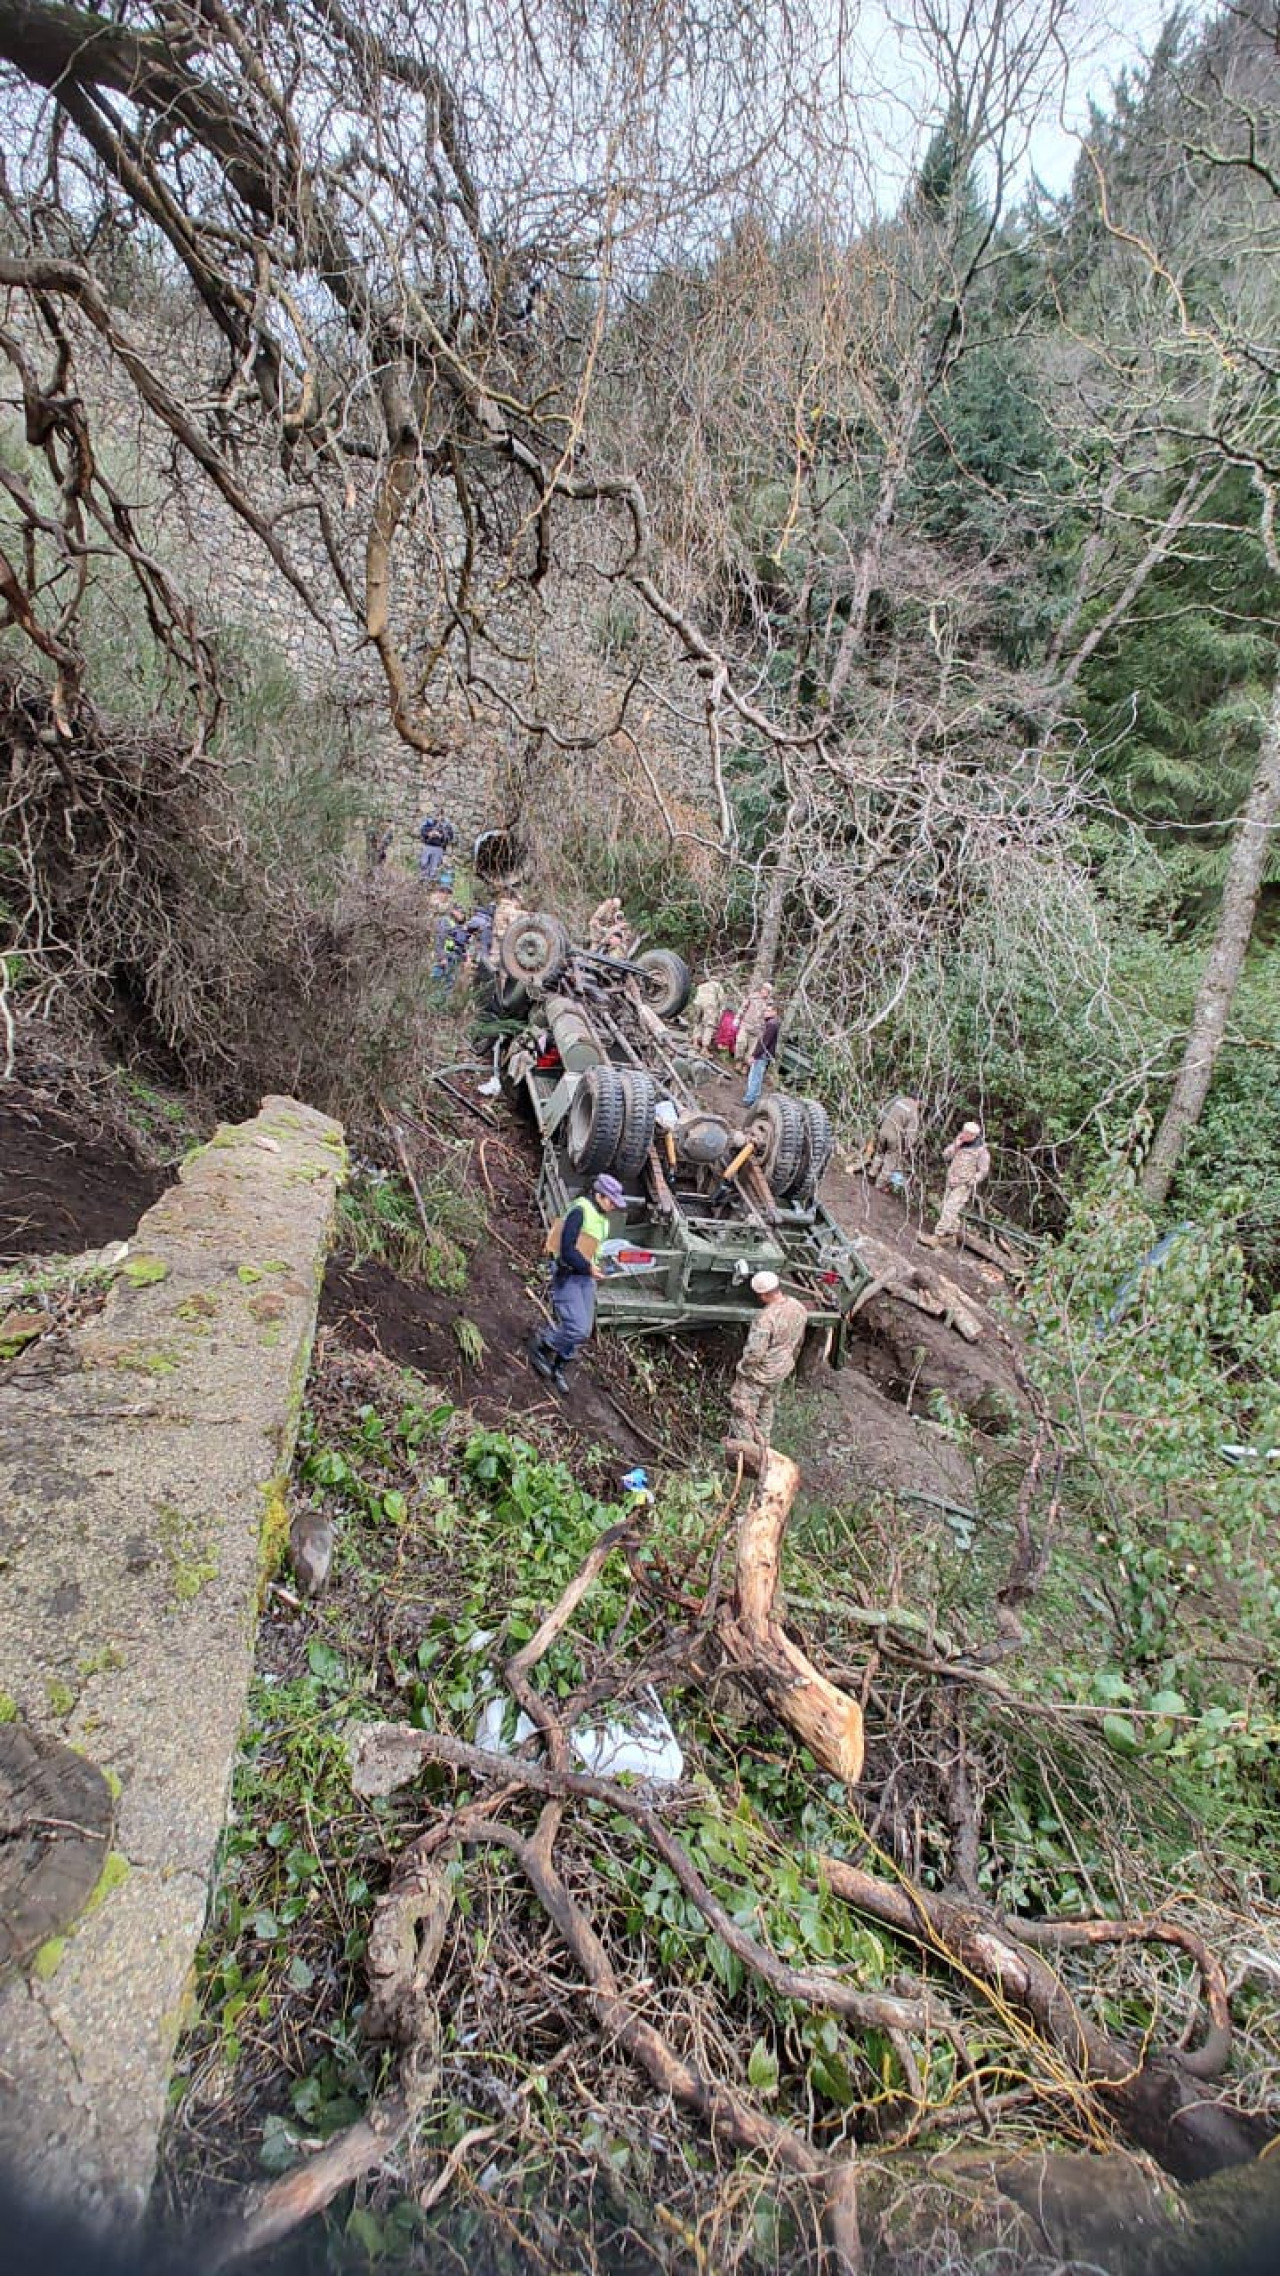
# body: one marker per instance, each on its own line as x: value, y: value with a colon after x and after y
x: 62, y: 1188
x: 872, y: 1426
x: 65, y: 1189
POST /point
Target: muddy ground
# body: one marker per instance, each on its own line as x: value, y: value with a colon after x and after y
x: 65, y: 1187
x: 874, y: 1425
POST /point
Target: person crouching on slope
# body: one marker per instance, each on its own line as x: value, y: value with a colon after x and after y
x: 574, y: 1273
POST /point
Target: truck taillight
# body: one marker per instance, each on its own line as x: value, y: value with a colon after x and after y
x: 830, y: 1279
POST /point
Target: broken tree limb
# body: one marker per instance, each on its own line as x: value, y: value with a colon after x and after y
x: 272, y: 2213
x: 516, y: 1672
x: 1152, y: 2097
x: 727, y: 2113
x: 824, y: 1718
x: 388, y: 1755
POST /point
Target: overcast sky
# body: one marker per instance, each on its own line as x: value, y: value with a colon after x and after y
x: 1054, y: 149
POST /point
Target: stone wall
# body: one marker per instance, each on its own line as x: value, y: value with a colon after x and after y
x: 143, y: 1459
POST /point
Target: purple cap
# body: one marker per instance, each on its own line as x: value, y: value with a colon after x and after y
x: 609, y: 1187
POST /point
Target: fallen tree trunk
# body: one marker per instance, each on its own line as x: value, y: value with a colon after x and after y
x: 826, y: 1720
x: 1156, y: 2099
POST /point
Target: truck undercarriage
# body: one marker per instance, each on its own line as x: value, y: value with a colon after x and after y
x: 711, y: 1198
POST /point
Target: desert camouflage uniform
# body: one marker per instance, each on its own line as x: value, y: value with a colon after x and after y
x: 896, y: 1139
x: 968, y: 1163
x: 709, y: 1000
x: 755, y: 1012
x: 769, y: 1354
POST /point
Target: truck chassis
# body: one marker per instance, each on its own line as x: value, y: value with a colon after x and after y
x: 708, y: 1203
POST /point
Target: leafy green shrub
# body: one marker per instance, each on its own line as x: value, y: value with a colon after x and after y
x: 1167, y: 1377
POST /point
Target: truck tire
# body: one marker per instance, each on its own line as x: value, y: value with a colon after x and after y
x: 668, y: 982
x: 534, y: 949
x: 596, y: 1119
x: 779, y: 1131
x: 821, y: 1145
x: 640, y: 1097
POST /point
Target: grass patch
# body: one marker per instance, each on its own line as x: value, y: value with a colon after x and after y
x: 378, y: 1222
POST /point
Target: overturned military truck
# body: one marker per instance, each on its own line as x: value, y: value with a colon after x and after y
x: 613, y: 1087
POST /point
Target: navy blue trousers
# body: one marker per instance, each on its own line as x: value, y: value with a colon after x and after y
x: 573, y: 1301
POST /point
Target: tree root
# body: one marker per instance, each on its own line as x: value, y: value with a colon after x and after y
x: 385, y: 1756
x: 1210, y: 2058
x: 725, y: 2112
x: 406, y: 1937
x: 405, y: 1942
x: 1153, y: 2098
x: 268, y: 2215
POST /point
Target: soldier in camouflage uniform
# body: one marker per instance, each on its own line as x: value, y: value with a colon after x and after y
x: 968, y: 1163
x: 755, y: 1012
x: 768, y: 1357
x: 709, y: 1000
x: 896, y: 1139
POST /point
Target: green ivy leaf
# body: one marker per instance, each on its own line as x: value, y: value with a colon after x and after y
x: 278, y: 2149
x: 365, y: 2231
x: 324, y: 1662
x: 1119, y: 1733
x: 762, y: 2068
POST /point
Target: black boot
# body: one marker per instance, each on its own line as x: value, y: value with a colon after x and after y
x: 559, y: 1379
x: 544, y: 1363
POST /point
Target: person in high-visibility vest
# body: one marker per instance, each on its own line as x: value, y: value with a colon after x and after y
x: 574, y: 1273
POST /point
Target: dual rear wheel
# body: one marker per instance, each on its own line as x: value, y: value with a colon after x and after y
x: 611, y: 1122
x: 794, y: 1142
x: 535, y: 949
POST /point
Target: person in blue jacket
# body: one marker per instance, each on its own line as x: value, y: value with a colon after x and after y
x: 574, y: 1273
x: 436, y: 835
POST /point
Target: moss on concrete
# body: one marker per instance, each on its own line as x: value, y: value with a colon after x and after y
x: 273, y: 1533
x: 143, y: 1271
x: 202, y: 1305
x: 192, y: 1565
x: 105, y: 1661
x: 114, y: 1873
x: 52, y: 1952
